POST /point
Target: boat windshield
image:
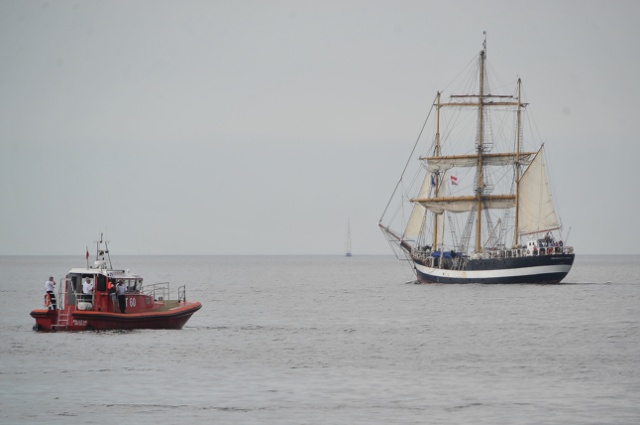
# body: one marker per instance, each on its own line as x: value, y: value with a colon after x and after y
x: 132, y: 284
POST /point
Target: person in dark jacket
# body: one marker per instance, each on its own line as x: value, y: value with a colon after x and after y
x: 122, y: 300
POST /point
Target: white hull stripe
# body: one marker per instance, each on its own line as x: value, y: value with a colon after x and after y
x: 496, y: 273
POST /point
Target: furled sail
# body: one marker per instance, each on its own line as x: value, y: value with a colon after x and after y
x: 443, y: 163
x: 461, y: 204
x: 535, y: 205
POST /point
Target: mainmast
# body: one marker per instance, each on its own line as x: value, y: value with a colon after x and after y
x: 517, y: 170
x: 480, y: 174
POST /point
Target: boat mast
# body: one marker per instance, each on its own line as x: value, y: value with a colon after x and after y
x: 517, y: 170
x: 348, y: 250
x: 437, y: 178
x: 480, y: 174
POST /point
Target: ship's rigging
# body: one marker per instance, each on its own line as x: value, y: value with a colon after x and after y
x: 481, y: 180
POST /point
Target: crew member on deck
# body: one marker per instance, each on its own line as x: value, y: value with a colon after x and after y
x: 87, y: 289
x: 49, y: 286
x: 122, y: 300
x: 111, y: 290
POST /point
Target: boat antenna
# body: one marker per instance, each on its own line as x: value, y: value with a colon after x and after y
x: 484, y: 43
x: 98, y: 244
x: 106, y: 251
x: 100, y: 253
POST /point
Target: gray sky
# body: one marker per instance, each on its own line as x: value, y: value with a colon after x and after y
x: 260, y: 127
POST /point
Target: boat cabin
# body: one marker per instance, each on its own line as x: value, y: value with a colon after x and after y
x: 104, y: 283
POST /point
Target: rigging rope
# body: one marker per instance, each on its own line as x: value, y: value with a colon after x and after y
x: 409, y: 159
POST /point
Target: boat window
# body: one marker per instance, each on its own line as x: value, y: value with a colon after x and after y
x: 72, y: 289
x: 75, y: 283
x: 133, y: 285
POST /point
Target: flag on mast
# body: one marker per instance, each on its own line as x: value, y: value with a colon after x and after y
x: 454, y: 180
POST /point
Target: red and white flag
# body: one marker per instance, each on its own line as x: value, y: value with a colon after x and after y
x: 454, y: 180
x: 87, y: 254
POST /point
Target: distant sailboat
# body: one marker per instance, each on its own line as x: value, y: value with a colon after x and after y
x: 490, y: 193
x: 348, y: 248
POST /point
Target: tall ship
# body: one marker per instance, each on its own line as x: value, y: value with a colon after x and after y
x: 475, y: 205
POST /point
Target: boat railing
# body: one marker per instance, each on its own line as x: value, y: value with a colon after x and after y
x: 158, y: 291
x: 61, y: 293
x: 459, y: 262
x: 421, y: 254
x: 182, y: 293
x: 524, y: 252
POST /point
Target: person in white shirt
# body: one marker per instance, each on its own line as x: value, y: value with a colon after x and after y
x: 122, y: 300
x: 49, y: 286
x: 87, y: 289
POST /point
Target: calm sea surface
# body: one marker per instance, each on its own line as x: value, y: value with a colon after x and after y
x: 332, y: 340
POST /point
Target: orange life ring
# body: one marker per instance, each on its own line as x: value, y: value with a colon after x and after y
x: 47, y: 300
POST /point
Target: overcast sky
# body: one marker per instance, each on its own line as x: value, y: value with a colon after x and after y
x: 261, y: 127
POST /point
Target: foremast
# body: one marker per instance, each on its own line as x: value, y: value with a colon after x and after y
x: 437, y: 182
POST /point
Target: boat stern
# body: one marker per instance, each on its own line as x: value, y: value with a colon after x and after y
x: 45, y: 319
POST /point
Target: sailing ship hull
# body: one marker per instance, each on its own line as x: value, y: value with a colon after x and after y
x: 545, y: 269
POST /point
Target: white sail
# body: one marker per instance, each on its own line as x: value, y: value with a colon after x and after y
x: 535, y: 205
x: 416, y: 219
x: 414, y: 225
x: 348, y: 247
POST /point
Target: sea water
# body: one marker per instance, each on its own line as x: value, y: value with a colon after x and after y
x: 332, y: 340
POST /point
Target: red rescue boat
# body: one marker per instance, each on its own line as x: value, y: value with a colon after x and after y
x: 145, y: 307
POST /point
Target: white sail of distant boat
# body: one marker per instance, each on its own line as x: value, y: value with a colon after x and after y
x: 348, y: 244
x: 479, y: 206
